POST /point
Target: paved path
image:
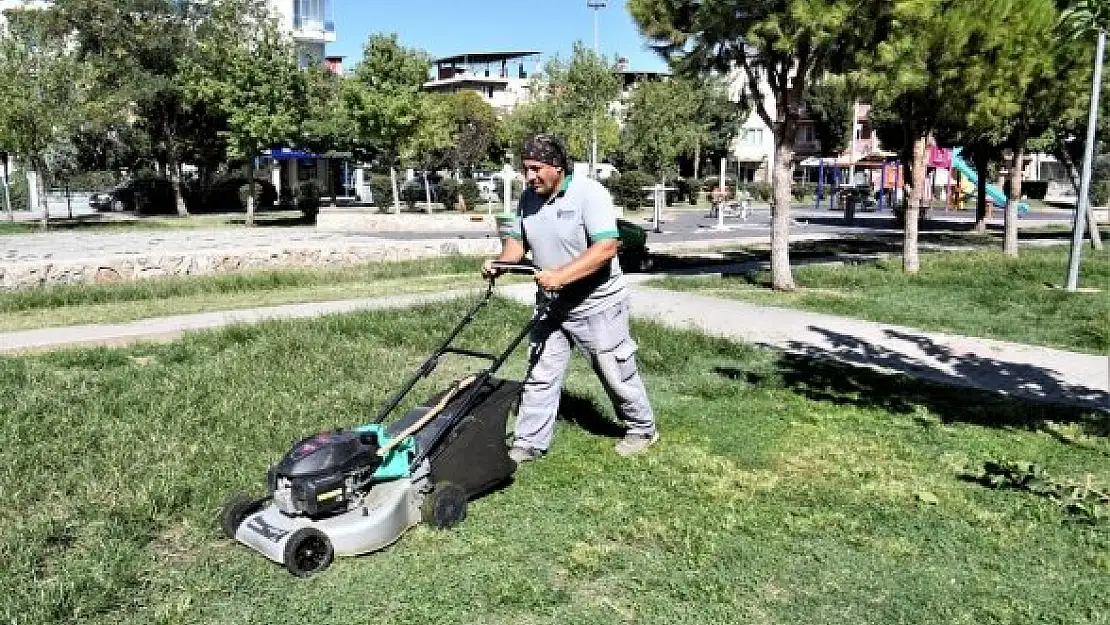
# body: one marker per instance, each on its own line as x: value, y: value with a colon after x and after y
x: 1038, y: 373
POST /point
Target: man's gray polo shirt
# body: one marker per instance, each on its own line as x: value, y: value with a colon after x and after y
x: 559, y: 229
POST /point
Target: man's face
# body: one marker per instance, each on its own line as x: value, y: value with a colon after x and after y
x: 543, y: 178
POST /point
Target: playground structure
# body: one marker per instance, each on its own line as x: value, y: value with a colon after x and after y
x: 890, y: 183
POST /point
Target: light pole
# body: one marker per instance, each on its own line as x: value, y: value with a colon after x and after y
x: 595, y: 5
x: 1085, y: 182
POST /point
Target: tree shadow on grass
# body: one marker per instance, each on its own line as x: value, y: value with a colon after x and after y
x: 964, y: 388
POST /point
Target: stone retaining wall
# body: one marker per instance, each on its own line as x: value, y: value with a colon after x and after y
x: 371, y: 220
x: 42, y: 273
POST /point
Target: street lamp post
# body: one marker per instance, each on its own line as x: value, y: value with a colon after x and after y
x: 1085, y: 182
x: 595, y: 5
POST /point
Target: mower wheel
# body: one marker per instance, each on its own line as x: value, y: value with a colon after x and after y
x: 236, y: 510
x: 445, y: 506
x: 308, y: 552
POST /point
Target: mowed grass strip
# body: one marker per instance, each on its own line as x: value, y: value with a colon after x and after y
x: 107, y: 303
x: 974, y: 293
x: 783, y: 491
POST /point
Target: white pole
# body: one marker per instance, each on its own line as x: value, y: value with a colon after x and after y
x: 1088, y: 158
x: 396, y: 195
x: 721, y: 198
x: 508, y: 192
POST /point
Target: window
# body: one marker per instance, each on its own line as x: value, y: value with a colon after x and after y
x: 752, y: 137
x: 807, y: 134
x: 309, y: 14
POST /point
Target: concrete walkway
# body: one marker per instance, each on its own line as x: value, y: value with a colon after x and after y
x: 1037, y: 373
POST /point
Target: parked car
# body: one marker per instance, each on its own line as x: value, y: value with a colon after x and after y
x: 141, y: 195
x: 412, y: 191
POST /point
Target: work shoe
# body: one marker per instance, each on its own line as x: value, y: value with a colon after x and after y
x: 633, y: 444
x: 520, y: 455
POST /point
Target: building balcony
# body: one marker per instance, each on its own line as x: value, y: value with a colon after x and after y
x: 315, y: 30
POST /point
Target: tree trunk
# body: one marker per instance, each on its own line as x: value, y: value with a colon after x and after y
x: 250, y: 192
x: 981, y: 194
x: 7, y: 193
x: 911, y: 260
x: 1013, y: 196
x: 175, y: 182
x: 781, y: 277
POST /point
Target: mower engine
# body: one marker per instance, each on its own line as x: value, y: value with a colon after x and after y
x: 322, y: 474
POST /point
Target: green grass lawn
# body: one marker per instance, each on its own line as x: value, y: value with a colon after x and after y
x: 108, y: 223
x: 110, y: 303
x: 974, y: 292
x: 783, y: 491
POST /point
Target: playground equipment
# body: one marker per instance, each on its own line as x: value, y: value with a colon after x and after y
x: 998, y: 196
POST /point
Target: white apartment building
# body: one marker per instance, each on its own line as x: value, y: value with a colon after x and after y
x: 503, y: 79
x: 310, y: 24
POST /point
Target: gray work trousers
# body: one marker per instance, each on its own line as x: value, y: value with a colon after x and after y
x: 604, y: 338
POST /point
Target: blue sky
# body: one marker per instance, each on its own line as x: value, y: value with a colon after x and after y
x: 446, y: 27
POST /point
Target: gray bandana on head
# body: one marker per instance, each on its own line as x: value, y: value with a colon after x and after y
x: 545, y: 149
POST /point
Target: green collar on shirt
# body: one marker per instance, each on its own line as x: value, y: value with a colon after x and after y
x: 566, y: 184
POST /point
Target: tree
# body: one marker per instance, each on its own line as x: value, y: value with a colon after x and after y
x: 43, y: 89
x: 662, y: 124
x: 248, y: 72
x: 570, y: 98
x: 383, y: 98
x: 790, y: 42
x: 457, y: 131
x: 720, y: 118
x: 830, y: 103
x: 1009, y: 85
x: 136, y: 48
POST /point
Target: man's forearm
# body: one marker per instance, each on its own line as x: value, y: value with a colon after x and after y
x: 512, y: 251
x: 594, y: 258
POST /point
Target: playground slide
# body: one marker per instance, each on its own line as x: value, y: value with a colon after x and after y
x: 998, y: 196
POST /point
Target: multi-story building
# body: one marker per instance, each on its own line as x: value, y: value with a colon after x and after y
x: 503, y: 79
x: 310, y: 24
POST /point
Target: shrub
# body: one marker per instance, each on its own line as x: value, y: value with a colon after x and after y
x: 694, y: 193
x: 308, y: 198
x: 382, y: 189
x: 470, y: 193
x: 18, y: 192
x: 802, y: 191
x: 1100, y: 181
x: 760, y: 191
x: 448, y: 193
x: 627, y: 189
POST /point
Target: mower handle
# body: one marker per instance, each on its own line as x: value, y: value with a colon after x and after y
x: 524, y: 269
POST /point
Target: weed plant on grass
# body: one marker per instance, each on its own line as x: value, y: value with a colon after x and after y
x: 783, y: 491
x: 974, y: 293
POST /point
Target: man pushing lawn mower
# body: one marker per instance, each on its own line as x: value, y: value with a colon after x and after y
x: 569, y: 226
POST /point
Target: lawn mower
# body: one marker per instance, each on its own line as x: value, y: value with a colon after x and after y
x: 353, y: 491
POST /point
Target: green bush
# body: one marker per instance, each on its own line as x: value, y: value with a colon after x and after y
x: 1100, y: 181
x: 18, y: 192
x: 471, y: 193
x: 382, y: 188
x: 761, y: 191
x: 448, y: 193
x: 802, y: 191
x: 308, y: 198
x: 628, y: 189
x: 694, y: 193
